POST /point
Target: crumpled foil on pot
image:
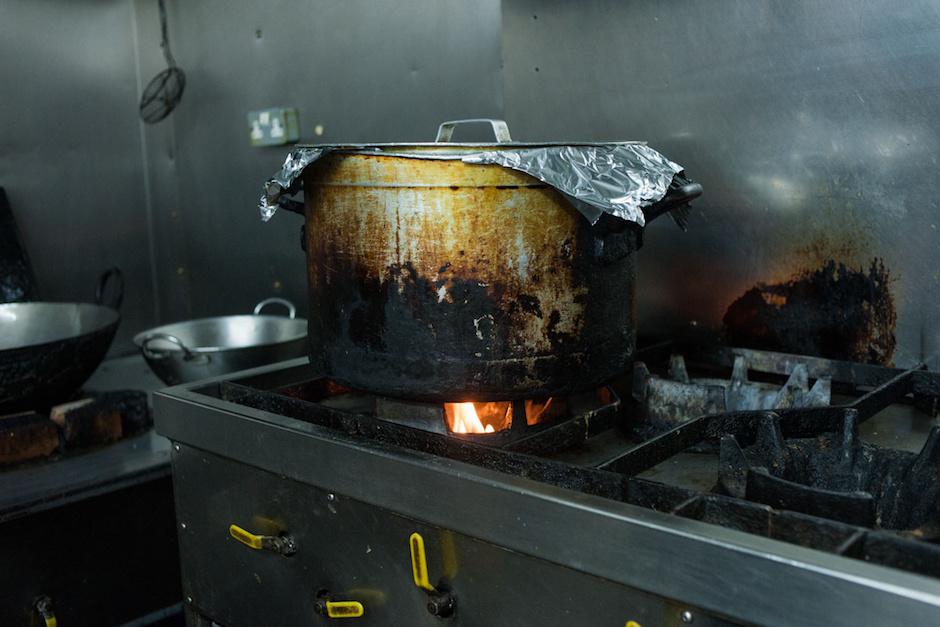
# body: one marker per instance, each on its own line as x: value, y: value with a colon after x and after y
x: 286, y: 180
x: 619, y: 179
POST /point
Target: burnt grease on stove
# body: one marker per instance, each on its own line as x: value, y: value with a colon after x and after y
x: 838, y: 476
x: 834, y: 311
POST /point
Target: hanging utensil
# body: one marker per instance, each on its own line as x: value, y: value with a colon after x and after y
x: 165, y: 91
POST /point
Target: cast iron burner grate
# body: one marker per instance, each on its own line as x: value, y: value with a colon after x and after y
x: 838, y: 476
x: 762, y: 438
x: 666, y: 402
x: 535, y: 426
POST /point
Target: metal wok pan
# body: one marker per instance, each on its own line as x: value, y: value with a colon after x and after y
x: 48, y: 350
x: 209, y: 347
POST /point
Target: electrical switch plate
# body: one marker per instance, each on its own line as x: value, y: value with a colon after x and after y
x: 273, y: 127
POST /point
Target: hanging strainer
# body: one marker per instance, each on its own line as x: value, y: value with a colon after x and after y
x: 165, y: 91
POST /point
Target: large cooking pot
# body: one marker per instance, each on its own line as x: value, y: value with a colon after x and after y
x: 435, y: 279
x: 197, y: 349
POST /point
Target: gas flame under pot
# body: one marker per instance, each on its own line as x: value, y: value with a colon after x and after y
x: 490, y: 417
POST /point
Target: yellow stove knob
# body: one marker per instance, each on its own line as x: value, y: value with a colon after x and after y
x: 419, y: 562
x: 344, y: 609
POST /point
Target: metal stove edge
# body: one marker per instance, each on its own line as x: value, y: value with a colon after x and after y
x: 732, y: 573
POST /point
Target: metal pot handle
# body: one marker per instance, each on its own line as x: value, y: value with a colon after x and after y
x: 681, y: 192
x: 148, y: 352
x: 105, y: 278
x: 446, y: 130
x: 291, y: 310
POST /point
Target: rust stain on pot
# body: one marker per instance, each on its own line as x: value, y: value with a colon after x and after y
x: 441, y: 271
x: 834, y: 311
x: 414, y: 246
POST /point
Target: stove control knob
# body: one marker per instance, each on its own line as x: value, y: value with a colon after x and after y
x: 283, y: 543
x: 44, y: 609
x: 419, y: 563
x: 326, y: 606
x: 441, y: 602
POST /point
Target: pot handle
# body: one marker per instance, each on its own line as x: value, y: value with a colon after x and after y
x: 148, y: 352
x: 114, y: 273
x: 681, y: 192
x: 446, y: 130
x: 291, y: 310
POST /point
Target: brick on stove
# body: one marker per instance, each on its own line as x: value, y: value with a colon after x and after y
x: 27, y: 436
x: 103, y: 418
x: 87, y: 422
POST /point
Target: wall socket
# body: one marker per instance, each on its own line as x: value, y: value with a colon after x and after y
x: 273, y: 127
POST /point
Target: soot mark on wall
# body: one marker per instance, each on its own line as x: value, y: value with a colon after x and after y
x: 834, y: 311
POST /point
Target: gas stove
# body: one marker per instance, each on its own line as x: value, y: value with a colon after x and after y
x: 765, y: 488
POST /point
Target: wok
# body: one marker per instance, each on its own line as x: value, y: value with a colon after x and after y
x: 197, y: 349
x: 48, y: 350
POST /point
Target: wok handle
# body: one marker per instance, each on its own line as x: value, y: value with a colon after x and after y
x: 500, y: 129
x: 291, y: 310
x: 148, y: 352
x: 113, y: 273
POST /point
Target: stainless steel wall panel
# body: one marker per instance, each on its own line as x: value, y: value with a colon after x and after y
x: 70, y: 152
x: 159, y: 156
x: 811, y: 126
x: 375, y: 71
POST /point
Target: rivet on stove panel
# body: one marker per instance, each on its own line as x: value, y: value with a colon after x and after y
x: 176, y: 447
x: 189, y: 599
x: 182, y: 525
x: 687, y: 616
x: 330, y: 497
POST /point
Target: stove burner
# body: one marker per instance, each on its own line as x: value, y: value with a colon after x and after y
x: 543, y: 426
x: 665, y: 403
x: 836, y: 475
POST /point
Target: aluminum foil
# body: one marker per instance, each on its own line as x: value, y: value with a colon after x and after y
x: 619, y: 179
x: 286, y: 180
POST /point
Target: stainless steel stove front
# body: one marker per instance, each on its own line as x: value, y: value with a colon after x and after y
x: 510, y: 550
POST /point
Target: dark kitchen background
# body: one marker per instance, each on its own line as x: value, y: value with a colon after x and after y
x: 811, y: 125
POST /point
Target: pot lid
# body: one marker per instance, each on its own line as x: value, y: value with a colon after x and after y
x: 620, y: 178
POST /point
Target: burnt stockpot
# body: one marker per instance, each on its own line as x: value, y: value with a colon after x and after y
x: 436, y: 279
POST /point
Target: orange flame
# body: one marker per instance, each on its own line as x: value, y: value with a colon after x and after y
x: 478, y: 417
x: 494, y: 416
x: 464, y: 419
x: 536, y: 410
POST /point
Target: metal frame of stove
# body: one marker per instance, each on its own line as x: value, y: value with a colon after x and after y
x: 702, y: 566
